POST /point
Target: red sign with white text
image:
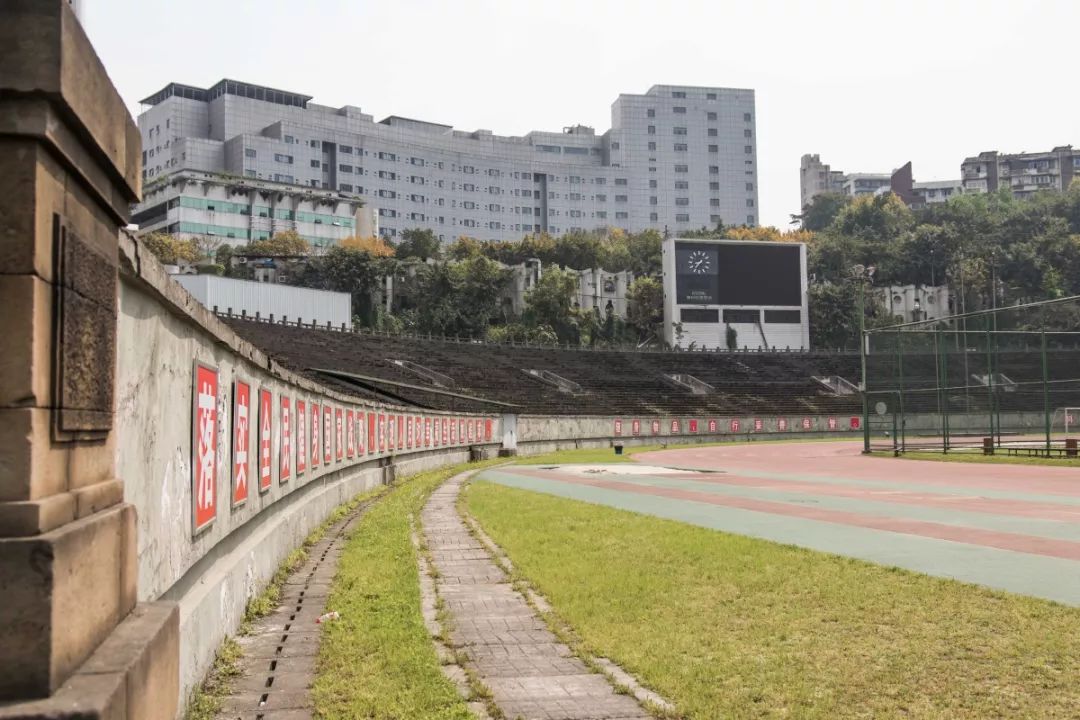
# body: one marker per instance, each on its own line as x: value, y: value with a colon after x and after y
x: 712, y: 426
x: 350, y: 434
x: 285, y: 449
x: 655, y: 427
x: 781, y: 424
x: 316, y: 436
x: 618, y: 427
x: 382, y: 432
x: 759, y: 424
x: 693, y: 426
x: 372, y: 433
x: 327, y: 434
x: 400, y: 431
x: 488, y: 429
x: 427, y: 432
x: 266, y: 439
x: 204, y: 446
x: 855, y: 423
x: 635, y: 427
x: 832, y: 423
x: 339, y: 434
x: 674, y: 429
x: 241, y: 454
x: 806, y: 423
x: 734, y: 426
x: 301, y: 437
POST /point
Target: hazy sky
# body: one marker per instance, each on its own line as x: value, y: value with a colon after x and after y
x: 868, y: 85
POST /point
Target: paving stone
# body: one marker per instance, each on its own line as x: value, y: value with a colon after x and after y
x: 529, y: 672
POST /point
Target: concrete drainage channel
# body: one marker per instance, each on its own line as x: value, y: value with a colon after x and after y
x: 279, y: 655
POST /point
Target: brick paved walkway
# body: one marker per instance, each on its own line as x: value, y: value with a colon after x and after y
x: 530, y: 673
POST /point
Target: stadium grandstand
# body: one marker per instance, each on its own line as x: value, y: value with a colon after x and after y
x: 483, y: 377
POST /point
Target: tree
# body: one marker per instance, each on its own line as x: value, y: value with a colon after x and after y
x: 169, y: 249
x: 821, y: 211
x: 550, y: 304
x: 418, y: 243
x: 373, y: 246
x: 645, y: 309
x: 464, y: 247
x: 287, y: 242
x: 356, y: 272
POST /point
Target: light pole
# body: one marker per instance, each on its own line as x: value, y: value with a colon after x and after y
x: 864, y: 275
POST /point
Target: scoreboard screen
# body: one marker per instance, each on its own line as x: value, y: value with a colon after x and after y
x: 738, y: 274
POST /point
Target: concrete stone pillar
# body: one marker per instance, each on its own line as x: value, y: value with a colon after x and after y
x: 69, y: 169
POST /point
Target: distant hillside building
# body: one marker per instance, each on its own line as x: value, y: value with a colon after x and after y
x: 1023, y: 173
x: 677, y: 157
x: 817, y: 178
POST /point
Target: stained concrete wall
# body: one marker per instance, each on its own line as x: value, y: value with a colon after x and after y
x: 212, y: 574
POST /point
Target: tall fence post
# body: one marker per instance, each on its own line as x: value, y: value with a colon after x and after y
x: 900, y: 394
x: 1046, y: 390
x: 990, y: 382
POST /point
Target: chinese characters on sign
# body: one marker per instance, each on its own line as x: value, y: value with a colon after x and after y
x: 241, y: 417
x: 285, y: 463
x: 204, y: 446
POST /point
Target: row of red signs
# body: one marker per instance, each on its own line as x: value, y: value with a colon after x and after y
x: 675, y: 426
x: 311, y: 433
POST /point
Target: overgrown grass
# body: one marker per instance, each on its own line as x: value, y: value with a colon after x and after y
x: 978, y: 457
x: 607, y: 455
x: 206, y: 701
x: 378, y: 660
x: 734, y: 627
x: 207, y: 698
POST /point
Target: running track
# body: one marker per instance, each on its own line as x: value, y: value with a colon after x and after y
x: 1010, y: 527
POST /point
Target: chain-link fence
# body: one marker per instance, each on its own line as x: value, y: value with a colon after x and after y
x: 1005, y: 380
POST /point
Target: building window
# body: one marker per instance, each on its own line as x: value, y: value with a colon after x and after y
x: 601, y: 214
x: 601, y: 198
x: 652, y: 183
x: 677, y: 94
x: 316, y: 164
x: 711, y: 116
x: 289, y: 139
x: 347, y: 149
x: 747, y: 133
x: 682, y: 185
x: 249, y: 152
x: 315, y: 144
x: 680, y: 147
x: 652, y: 146
x: 679, y: 110
x: 746, y: 117
x: 345, y: 187
x: 714, y: 202
x: 748, y: 149
x: 678, y: 131
x: 710, y: 96
x: 654, y: 217
x: 750, y: 187
x: 614, y: 146
x: 682, y: 202
x: 650, y: 113
x: 654, y: 200
x: 714, y: 148
x: 621, y: 198
x: 620, y: 181
x: 714, y: 169
x: 682, y: 217
x: 287, y: 159
x: 622, y: 215
x: 713, y: 132
x: 283, y: 178
x: 417, y: 161
x: 388, y: 156
x: 682, y: 168
x: 749, y: 219
x: 651, y: 129
x: 749, y: 202
x: 344, y: 168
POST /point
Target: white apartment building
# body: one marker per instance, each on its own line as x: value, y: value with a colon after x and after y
x: 677, y: 158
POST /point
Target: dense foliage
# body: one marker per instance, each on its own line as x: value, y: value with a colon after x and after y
x: 990, y: 249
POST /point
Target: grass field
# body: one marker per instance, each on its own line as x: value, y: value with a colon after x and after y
x: 732, y: 627
x: 607, y: 455
x: 378, y: 661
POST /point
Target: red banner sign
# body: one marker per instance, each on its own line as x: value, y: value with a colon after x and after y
x: 487, y: 429
x: 339, y: 434
x: 781, y: 424
x: 655, y: 427
x: 618, y: 427
x: 674, y: 429
x: 266, y: 439
x: 806, y: 424
x: 316, y: 435
x: 832, y: 423
x: 285, y: 449
x: 856, y: 423
x: 372, y: 432
x: 241, y: 452
x: 734, y: 426
x: 204, y: 446
x: 301, y: 437
x: 350, y: 434
x: 635, y: 427
x: 712, y: 426
x: 759, y: 424
x: 693, y: 426
x: 327, y: 434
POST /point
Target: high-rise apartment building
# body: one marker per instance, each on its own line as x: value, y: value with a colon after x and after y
x: 1023, y: 173
x: 677, y: 157
x: 817, y: 178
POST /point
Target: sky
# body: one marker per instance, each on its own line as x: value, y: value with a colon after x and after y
x: 867, y: 85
